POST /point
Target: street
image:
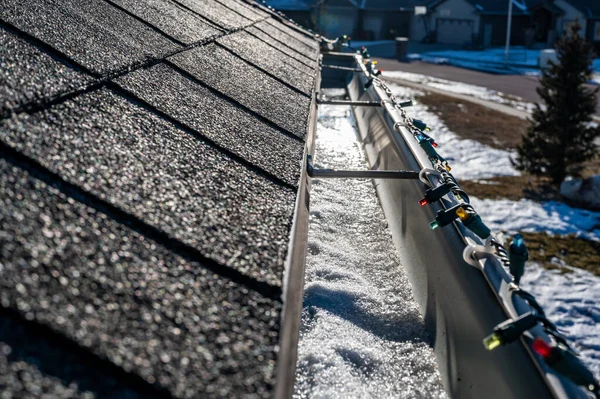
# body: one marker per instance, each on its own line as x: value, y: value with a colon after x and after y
x: 516, y: 85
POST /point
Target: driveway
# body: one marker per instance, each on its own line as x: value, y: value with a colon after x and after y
x: 516, y: 85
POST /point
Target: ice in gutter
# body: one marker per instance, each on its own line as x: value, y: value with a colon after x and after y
x: 362, y: 334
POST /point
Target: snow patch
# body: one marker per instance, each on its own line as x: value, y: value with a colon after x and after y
x: 469, y: 159
x: 571, y: 300
x: 526, y: 215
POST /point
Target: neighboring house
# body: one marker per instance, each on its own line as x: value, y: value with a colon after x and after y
x: 446, y: 21
x: 483, y: 23
x: 469, y: 23
x: 587, y: 12
x: 383, y: 19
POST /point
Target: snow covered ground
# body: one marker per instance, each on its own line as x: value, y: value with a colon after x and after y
x: 596, y: 67
x: 572, y: 301
x: 362, y: 335
x: 517, y: 56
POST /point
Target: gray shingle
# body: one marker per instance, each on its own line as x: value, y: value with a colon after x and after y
x: 28, y: 74
x: 219, y: 120
x: 253, y: 7
x: 144, y: 228
x: 172, y: 19
x: 232, y: 76
x: 91, y: 32
x: 164, y: 176
x: 288, y: 51
x: 216, y: 13
x: 310, y: 42
x: 256, y: 51
x: 127, y: 298
x: 269, y: 28
x: 242, y: 9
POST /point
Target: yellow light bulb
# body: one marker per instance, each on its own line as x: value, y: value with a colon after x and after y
x: 491, y: 342
x: 462, y: 214
x: 448, y: 168
x: 374, y: 62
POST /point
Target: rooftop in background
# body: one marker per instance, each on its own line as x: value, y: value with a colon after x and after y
x: 149, y: 167
x: 501, y: 7
x: 306, y: 5
x: 590, y: 8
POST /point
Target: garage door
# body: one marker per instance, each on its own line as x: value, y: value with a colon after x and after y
x: 455, y: 31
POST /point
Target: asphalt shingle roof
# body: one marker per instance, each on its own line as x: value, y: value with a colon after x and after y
x: 206, y: 113
x: 149, y: 163
x: 589, y: 8
x: 232, y: 76
x: 285, y: 38
x: 282, y: 47
x: 495, y: 7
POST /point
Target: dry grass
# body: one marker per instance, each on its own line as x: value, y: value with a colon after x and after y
x: 575, y: 252
x: 476, y: 122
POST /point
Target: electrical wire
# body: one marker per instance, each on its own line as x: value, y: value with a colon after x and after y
x: 464, y: 210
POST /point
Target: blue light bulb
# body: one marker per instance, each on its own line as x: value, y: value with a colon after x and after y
x: 518, y: 240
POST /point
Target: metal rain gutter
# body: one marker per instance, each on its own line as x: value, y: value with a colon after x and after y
x: 461, y: 302
x: 293, y: 279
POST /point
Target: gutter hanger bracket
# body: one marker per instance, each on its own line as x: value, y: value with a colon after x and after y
x: 343, y: 68
x: 359, y: 174
x: 354, y: 103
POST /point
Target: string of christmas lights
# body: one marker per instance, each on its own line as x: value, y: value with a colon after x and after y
x: 557, y: 353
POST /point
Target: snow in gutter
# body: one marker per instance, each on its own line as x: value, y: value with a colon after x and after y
x: 362, y: 334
